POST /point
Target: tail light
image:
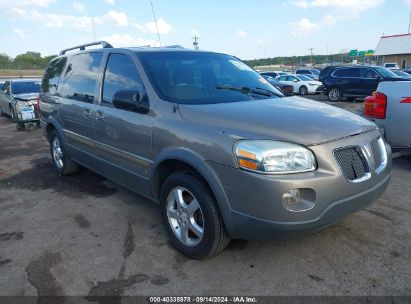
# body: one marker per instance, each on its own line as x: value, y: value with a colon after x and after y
x: 376, y: 106
x: 38, y: 104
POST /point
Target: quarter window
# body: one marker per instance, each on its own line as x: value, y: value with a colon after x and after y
x: 52, y: 75
x: 120, y: 74
x: 81, y: 77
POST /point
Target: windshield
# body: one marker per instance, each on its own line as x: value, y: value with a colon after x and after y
x: 315, y: 72
x: 385, y: 72
x: 390, y: 65
x: 21, y: 87
x: 204, y: 78
x: 304, y: 78
x: 401, y: 73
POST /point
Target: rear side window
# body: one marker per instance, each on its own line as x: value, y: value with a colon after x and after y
x: 52, y: 75
x: 340, y: 73
x: 121, y: 74
x: 353, y: 73
x: 81, y: 76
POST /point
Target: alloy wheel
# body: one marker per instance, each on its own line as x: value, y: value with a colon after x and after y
x: 185, y: 216
x: 57, y: 153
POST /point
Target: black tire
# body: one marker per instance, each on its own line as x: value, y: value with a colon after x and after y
x: 1, y: 113
x: 215, y: 238
x: 38, y: 125
x: 66, y: 166
x: 20, y: 126
x: 303, y: 90
x: 334, y: 94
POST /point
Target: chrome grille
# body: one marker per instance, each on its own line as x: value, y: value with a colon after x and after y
x: 379, y: 154
x: 352, y: 163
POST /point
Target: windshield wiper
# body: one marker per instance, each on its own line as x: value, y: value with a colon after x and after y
x: 247, y: 90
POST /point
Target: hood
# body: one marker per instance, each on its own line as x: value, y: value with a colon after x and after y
x: 26, y: 96
x: 291, y: 119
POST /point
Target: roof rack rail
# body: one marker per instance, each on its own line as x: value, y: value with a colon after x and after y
x: 82, y: 47
x: 175, y: 46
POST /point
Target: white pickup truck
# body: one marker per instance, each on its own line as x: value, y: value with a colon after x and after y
x: 390, y: 109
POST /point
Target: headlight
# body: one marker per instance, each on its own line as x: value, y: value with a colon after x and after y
x: 273, y: 157
x: 20, y: 103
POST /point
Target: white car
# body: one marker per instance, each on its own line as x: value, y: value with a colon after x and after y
x: 302, y: 84
x: 391, y: 66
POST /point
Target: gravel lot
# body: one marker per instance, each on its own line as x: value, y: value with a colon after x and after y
x: 84, y: 235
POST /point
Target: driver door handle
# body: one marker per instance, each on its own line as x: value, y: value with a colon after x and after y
x: 86, y: 112
x: 100, y: 115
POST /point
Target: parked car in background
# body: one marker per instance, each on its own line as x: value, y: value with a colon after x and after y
x: 1, y: 83
x: 391, y: 66
x: 390, y: 108
x: 223, y: 154
x: 302, y: 84
x: 287, y: 90
x: 356, y: 81
x: 401, y: 73
x: 310, y: 72
x: 19, y: 97
x: 274, y: 74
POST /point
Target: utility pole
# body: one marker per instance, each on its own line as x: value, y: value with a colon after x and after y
x: 195, y: 42
x: 311, y: 50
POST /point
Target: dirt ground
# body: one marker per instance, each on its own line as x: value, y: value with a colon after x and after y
x: 83, y: 235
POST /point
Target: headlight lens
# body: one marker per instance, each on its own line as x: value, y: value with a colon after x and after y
x: 22, y: 103
x: 274, y: 157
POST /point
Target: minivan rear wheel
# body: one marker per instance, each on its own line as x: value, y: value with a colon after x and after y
x: 191, y: 217
x: 334, y: 94
x: 62, y: 162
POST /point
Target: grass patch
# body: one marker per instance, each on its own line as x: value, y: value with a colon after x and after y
x: 23, y: 73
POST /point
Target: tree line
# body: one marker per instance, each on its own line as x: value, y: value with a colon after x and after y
x: 27, y: 61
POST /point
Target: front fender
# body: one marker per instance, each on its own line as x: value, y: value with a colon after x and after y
x: 204, y: 169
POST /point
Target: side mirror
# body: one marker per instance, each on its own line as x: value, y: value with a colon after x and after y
x: 130, y: 100
x: 295, y: 80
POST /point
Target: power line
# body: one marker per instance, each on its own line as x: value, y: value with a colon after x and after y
x: 155, y: 21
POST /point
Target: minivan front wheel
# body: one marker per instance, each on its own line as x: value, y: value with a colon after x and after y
x: 334, y: 94
x: 190, y: 216
x: 62, y: 162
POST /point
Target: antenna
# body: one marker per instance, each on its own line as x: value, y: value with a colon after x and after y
x: 94, y: 29
x: 409, y: 23
x: 195, y: 42
x: 155, y: 21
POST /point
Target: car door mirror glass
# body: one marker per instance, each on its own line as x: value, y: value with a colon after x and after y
x: 130, y: 100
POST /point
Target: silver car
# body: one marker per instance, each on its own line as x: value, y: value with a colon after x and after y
x: 18, y: 95
x: 223, y: 152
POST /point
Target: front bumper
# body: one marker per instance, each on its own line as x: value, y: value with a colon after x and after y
x: 256, y: 208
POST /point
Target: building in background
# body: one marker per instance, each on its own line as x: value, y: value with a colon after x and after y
x: 395, y: 49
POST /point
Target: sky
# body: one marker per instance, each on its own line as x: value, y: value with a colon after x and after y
x: 244, y: 28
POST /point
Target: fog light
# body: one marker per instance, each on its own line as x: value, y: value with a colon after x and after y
x: 299, y: 200
x: 291, y: 197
